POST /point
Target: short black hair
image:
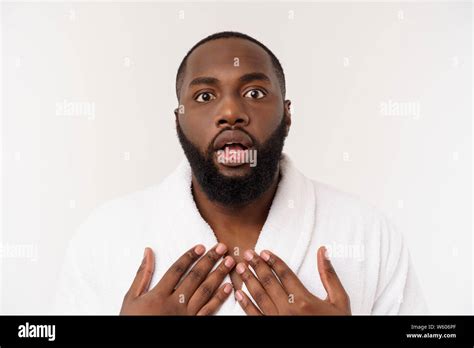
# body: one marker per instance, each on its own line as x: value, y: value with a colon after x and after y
x: 231, y: 34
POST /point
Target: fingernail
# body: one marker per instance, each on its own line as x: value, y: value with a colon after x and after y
x: 238, y: 296
x: 227, y: 288
x: 221, y: 249
x: 144, y: 257
x: 240, y: 268
x: 325, y: 253
x: 199, y: 249
x: 229, y: 262
x: 248, y: 255
x: 265, y: 255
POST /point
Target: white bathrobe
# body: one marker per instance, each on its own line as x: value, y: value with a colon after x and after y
x: 368, y: 254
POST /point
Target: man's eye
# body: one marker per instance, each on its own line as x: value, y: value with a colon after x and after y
x: 255, y: 94
x: 204, y: 97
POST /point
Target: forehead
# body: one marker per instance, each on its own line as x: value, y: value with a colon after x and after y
x: 218, y: 56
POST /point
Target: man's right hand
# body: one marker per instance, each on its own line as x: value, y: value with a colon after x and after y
x: 198, y: 293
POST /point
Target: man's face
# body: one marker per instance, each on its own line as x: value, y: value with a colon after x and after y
x: 230, y: 93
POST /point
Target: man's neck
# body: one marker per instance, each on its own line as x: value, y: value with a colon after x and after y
x: 228, y: 222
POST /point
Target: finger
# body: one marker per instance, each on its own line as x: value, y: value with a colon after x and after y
x: 217, y: 300
x: 200, y: 271
x: 206, y: 290
x: 176, y: 271
x: 247, y: 305
x: 287, y: 277
x: 329, y: 278
x: 145, y: 272
x: 257, y: 291
x: 266, y: 277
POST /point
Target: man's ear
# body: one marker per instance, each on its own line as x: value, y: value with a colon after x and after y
x: 176, y: 111
x: 287, y: 115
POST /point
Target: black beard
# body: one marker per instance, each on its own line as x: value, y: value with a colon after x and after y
x: 240, y: 190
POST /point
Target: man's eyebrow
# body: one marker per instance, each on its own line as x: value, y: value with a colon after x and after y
x: 255, y: 76
x: 207, y: 80
x: 204, y: 80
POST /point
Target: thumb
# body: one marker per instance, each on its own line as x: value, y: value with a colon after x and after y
x: 329, y: 278
x: 142, y: 279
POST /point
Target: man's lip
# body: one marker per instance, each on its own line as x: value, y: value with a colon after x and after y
x: 232, y: 136
x: 232, y: 157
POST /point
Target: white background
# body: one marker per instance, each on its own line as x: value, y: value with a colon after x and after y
x: 342, y: 60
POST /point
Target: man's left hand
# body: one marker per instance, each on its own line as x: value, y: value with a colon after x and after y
x: 277, y: 290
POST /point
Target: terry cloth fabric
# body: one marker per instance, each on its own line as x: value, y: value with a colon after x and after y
x: 368, y: 254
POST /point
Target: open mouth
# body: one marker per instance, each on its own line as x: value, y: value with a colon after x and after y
x: 231, y: 146
x: 232, y: 154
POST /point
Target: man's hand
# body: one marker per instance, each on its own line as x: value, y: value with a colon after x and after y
x: 195, y: 294
x: 278, y: 291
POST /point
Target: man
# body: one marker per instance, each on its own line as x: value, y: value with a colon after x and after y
x: 266, y: 227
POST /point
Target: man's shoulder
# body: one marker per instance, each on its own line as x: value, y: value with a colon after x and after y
x: 348, y: 209
x: 137, y: 204
x: 348, y: 216
x: 132, y: 202
x: 127, y: 212
x: 330, y: 198
x: 126, y: 205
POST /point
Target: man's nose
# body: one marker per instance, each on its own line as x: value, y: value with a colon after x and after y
x: 231, y: 113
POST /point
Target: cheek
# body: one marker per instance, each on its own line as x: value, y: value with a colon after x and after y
x: 264, y: 122
x: 197, y: 129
